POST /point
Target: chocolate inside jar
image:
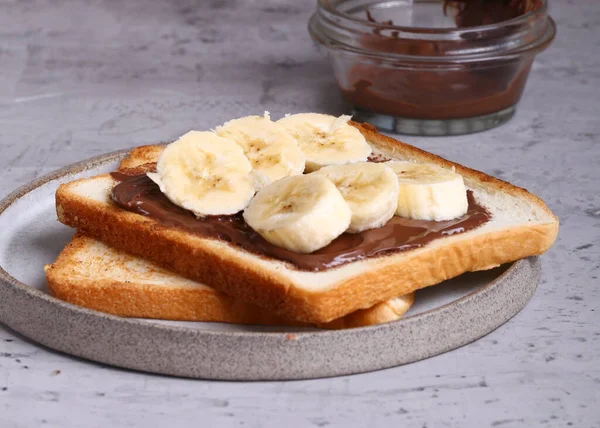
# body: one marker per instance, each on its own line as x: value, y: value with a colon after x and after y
x: 141, y: 195
x: 471, y: 13
x: 419, y: 91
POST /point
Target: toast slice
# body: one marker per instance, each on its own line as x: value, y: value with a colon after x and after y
x: 88, y: 273
x: 521, y: 226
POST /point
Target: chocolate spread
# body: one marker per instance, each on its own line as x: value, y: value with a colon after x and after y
x: 471, y: 13
x: 141, y: 195
x: 426, y: 92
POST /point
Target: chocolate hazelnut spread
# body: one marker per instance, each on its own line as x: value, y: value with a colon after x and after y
x: 141, y: 195
x: 471, y: 13
x: 427, y: 91
x: 409, y: 93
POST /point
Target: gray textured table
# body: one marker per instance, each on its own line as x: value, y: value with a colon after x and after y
x: 79, y: 78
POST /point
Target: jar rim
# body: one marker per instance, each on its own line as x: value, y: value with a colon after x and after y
x: 326, y: 5
x: 489, y: 42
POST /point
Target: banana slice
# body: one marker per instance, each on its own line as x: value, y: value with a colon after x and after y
x: 429, y: 192
x: 326, y: 140
x: 370, y: 189
x: 301, y: 213
x: 271, y: 150
x: 205, y: 174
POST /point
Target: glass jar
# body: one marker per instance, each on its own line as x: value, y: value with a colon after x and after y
x: 405, y: 66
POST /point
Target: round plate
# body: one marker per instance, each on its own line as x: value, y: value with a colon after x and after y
x: 444, y: 317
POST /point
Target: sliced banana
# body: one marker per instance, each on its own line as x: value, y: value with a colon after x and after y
x: 259, y: 179
x: 326, y: 140
x: 370, y: 189
x: 205, y: 174
x: 271, y: 150
x: 301, y: 213
x: 429, y: 192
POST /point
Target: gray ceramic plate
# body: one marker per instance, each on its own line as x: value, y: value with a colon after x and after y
x: 443, y: 318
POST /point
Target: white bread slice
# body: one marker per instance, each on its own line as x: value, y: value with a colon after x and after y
x: 521, y: 226
x: 88, y: 273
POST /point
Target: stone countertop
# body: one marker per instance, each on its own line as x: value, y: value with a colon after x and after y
x: 82, y: 78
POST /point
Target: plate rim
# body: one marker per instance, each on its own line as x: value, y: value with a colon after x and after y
x: 7, y: 280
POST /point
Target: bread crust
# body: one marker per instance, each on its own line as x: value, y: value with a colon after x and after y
x: 139, y: 158
x: 178, y: 302
x: 226, y: 269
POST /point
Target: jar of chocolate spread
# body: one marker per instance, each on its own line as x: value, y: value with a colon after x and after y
x: 432, y: 67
